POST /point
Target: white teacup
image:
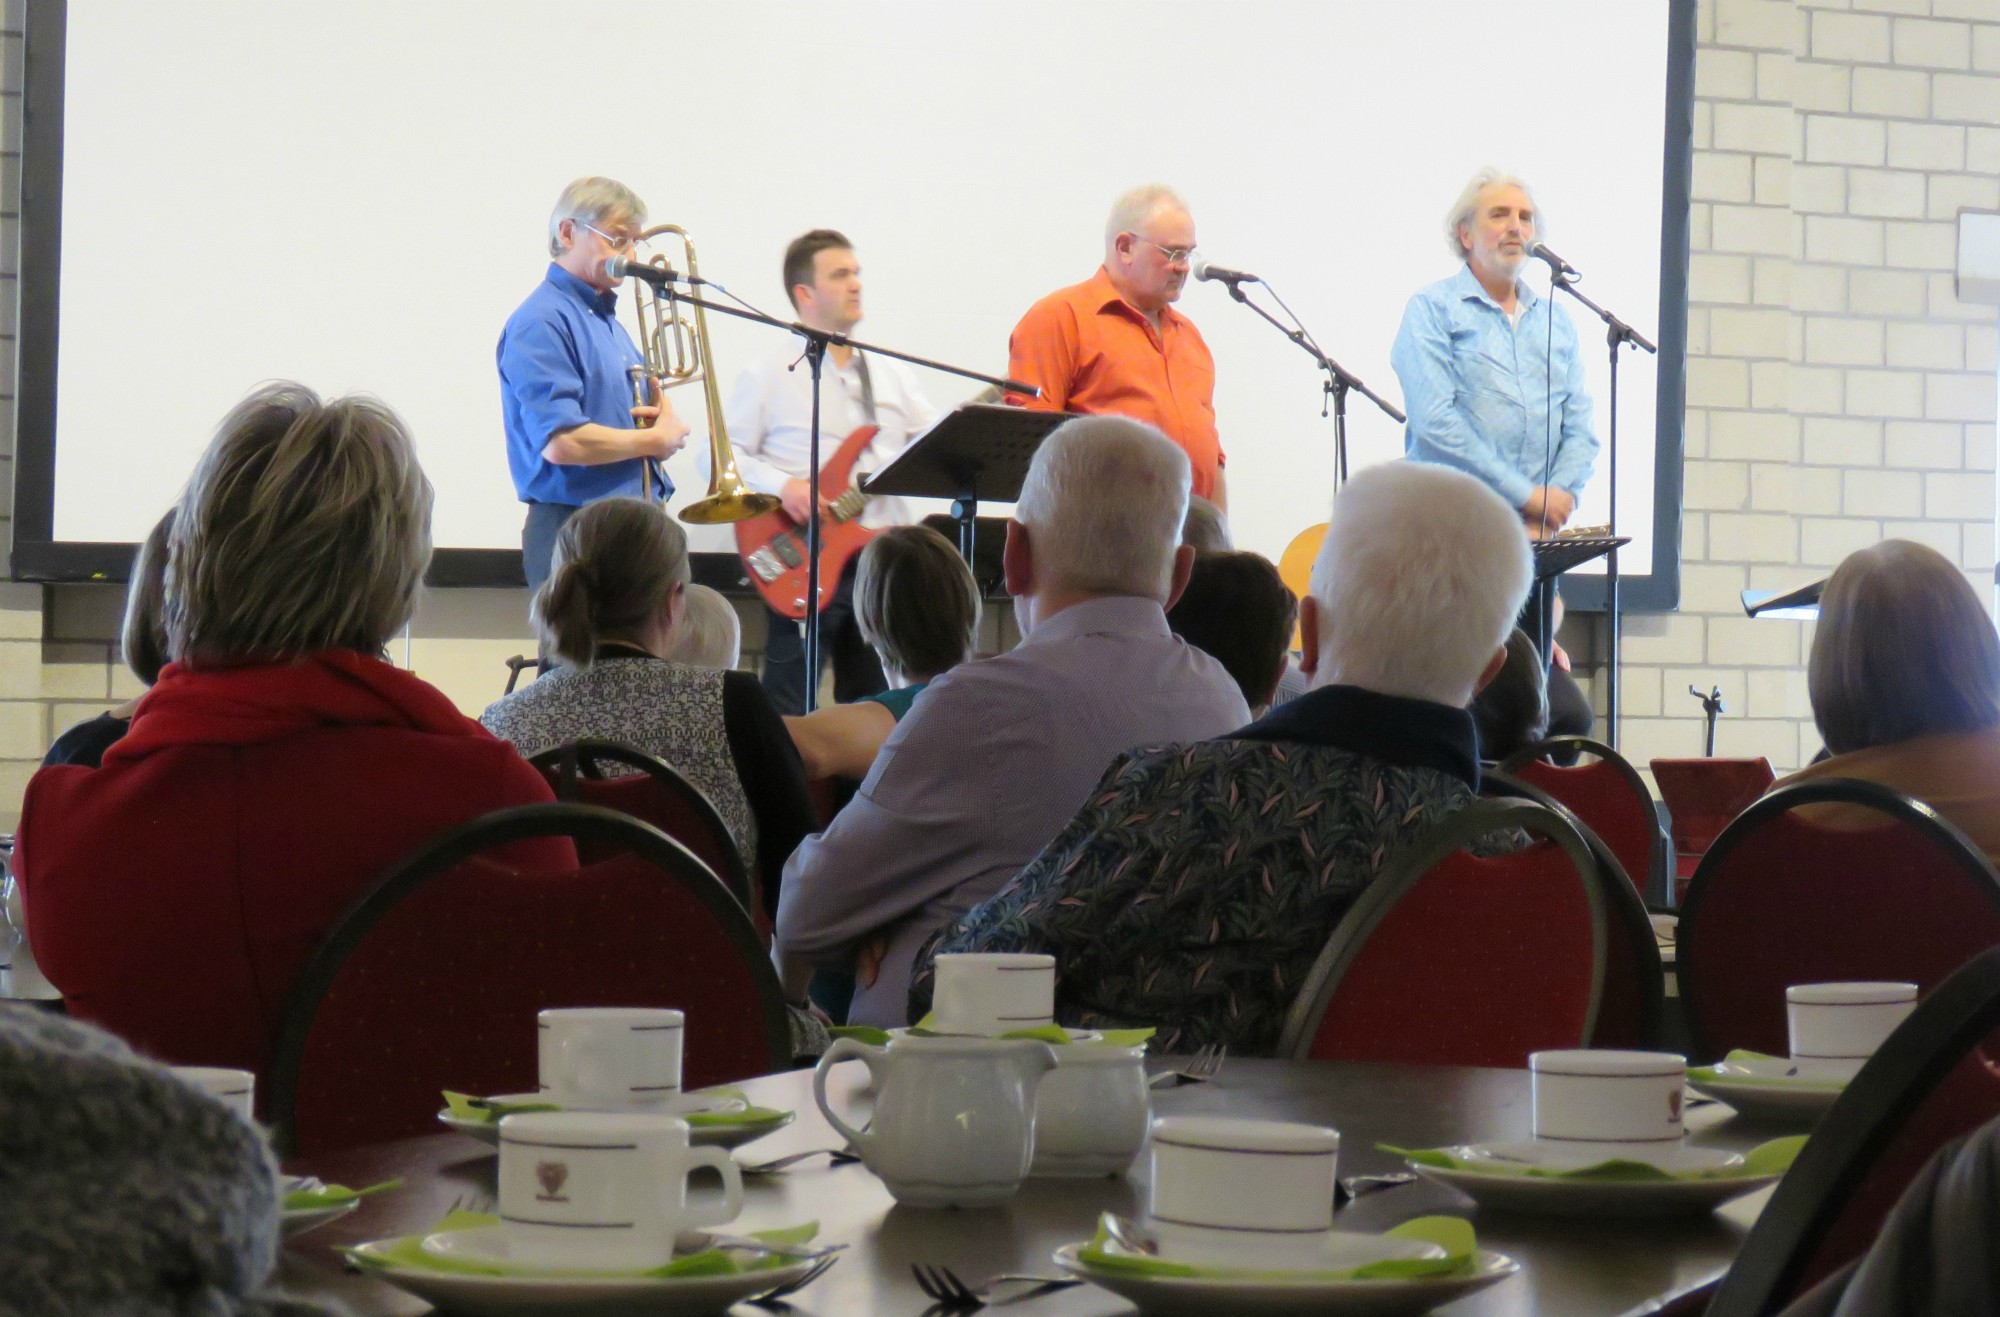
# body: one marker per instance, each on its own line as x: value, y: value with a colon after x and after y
x: 1836, y: 1027
x: 236, y: 1089
x: 604, y: 1189
x: 610, y: 1058
x: 991, y: 992
x: 1619, y: 1103
x: 1091, y: 1111
x: 1233, y: 1192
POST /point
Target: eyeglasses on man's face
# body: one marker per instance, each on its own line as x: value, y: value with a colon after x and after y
x: 620, y: 243
x: 1174, y: 255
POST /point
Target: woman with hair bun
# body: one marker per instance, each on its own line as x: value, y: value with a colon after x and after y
x: 615, y: 597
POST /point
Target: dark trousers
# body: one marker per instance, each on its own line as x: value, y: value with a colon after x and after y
x: 856, y: 670
x: 538, y: 540
x: 1569, y: 708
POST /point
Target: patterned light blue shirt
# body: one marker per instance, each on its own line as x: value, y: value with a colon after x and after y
x: 1480, y: 391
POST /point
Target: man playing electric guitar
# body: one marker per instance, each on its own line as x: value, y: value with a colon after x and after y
x: 769, y: 417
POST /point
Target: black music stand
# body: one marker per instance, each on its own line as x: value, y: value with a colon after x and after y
x: 1553, y: 558
x: 978, y: 451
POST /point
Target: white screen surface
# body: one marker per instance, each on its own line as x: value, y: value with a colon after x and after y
x: 354, y: 193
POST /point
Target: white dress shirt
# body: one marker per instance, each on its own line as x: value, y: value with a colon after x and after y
x: 769, y: 415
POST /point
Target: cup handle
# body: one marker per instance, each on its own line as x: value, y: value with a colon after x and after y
x: 732, y: 1184
x: 868, y: 1056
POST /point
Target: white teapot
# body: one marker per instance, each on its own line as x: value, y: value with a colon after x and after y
x: 954, y: 1122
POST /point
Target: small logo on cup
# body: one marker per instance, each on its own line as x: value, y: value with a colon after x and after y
x: 552, y: 1176
x: 1674, y: 1106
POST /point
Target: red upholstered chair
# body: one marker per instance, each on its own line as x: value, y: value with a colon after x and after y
x: 1780, y: 899
x: 1702, y: 797
x: 1631, y: 1009
x: 1929, y: 1083
x: 654, y: 794
x: 1607, y: 794
x: 433, y: 979
x: 1453, y: 959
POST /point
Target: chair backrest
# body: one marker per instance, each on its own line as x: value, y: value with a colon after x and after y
x: 1631, y: 1010
x: 1449, y: 958
x: 1702, y: 797
x: 432, y: 980
x: 1781, y: 899
x: 1607, y: 795
x: 655, y: 793
x: 1927, y: 1084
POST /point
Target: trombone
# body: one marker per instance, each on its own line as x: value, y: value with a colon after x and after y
x: 677, y: 353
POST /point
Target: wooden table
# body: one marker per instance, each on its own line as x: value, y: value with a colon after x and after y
x: 1568, y: 1267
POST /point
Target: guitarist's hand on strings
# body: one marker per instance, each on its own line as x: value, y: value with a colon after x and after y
x: 797, y: 497
x: 664, y: 432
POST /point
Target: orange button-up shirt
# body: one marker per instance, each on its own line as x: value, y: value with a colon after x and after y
x: 1089, y: 350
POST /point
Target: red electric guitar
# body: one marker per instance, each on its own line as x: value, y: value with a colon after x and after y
x: 773, y: 546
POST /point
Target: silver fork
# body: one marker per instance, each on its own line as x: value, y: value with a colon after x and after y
x: 774, y: 1300
x: 942, y: 1285
x: 1205, y: 1064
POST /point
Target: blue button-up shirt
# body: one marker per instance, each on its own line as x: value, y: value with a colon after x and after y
x: 562, y: 363
x: 1480, y: 391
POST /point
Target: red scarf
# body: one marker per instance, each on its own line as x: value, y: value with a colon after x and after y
x: 250, y: 705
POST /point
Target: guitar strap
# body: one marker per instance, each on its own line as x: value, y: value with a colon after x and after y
x: 867, y: 387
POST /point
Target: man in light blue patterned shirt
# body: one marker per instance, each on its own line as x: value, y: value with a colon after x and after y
x: 1491, y: 377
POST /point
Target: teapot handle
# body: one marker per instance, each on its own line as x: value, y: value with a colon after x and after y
x: 868, y: 1056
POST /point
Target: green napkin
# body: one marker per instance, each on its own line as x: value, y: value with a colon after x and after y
x: 1047, y: 1033
x: 408, y: 1253
x: 1772, y: 1158
x: 486, y: 1111
x: 1708, y: 1074
x: 1452, y: 1234
x: 863, y: 1033
x: 333, y: 1195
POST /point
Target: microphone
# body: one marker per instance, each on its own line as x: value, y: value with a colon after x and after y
x: 1204, y: 271
x: 1557, y: 264
x: 618, y: 267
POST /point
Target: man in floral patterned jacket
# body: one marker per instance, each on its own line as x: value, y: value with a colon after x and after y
x: 1197, y: 885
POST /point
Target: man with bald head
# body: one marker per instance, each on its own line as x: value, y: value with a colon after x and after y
x: 1489, y: 387
x: 1114, y: 344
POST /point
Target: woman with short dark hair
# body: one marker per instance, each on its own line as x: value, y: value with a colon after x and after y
x: 142, y: 642
x: 280, y: 765
x: 1905, y: 685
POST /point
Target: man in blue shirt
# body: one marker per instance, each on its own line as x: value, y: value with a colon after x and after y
x: 1490, y: 372
x: 573, y: 435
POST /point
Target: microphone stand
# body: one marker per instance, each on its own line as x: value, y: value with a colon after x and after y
x: 1337, y: 382
x: 817, y: 342
x: 1617, y: 334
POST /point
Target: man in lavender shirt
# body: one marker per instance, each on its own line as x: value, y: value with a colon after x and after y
x: 995, y: 756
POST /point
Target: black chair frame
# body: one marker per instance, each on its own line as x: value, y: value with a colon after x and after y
x: 1659, y: 879
x: 1825, y: 791
x: 442, y: 854
x: 1622, y: 905
x: 1408, y: 868
x: 587, y: 758
x: 1945, y: 1027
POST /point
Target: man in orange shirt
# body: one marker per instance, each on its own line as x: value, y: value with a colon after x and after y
x: 1113, y: 343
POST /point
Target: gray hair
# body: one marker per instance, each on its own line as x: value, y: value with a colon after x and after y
x: 142, y: 638
x: 1461, y: 210
x: 305, y: 527
x: 615, y: 565
x: 1419, y: 580
x: 593, y: 201
x: 1136, y: 207
x: 1103, y: 504
x: 1205, y: 528
x: 710, y: 634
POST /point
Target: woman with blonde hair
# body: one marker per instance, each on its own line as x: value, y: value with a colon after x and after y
x: 1905, y: 684
x: 611, y: 611
x: 280, y: 765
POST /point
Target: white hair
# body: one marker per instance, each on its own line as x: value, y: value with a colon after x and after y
x: 710, y: 635
x: 1103, y: 505
x: 1419, y: 580
x: 593, y: 201
x: 1133, y: 209
x: 1461, y: 210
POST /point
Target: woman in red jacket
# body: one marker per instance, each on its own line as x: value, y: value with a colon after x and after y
x: 280, y: 765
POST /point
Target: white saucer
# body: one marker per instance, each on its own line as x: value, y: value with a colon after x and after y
x: 296, y: 1221
x: 602, y: 1295
x: 1075, y: 1035
x: 1766, y: 1088
x: 1676, y: 1158
x: 1329, y: 1250
x: 728, y: 1135
x: 1502, y: 1183
x: 1203, y: 1296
